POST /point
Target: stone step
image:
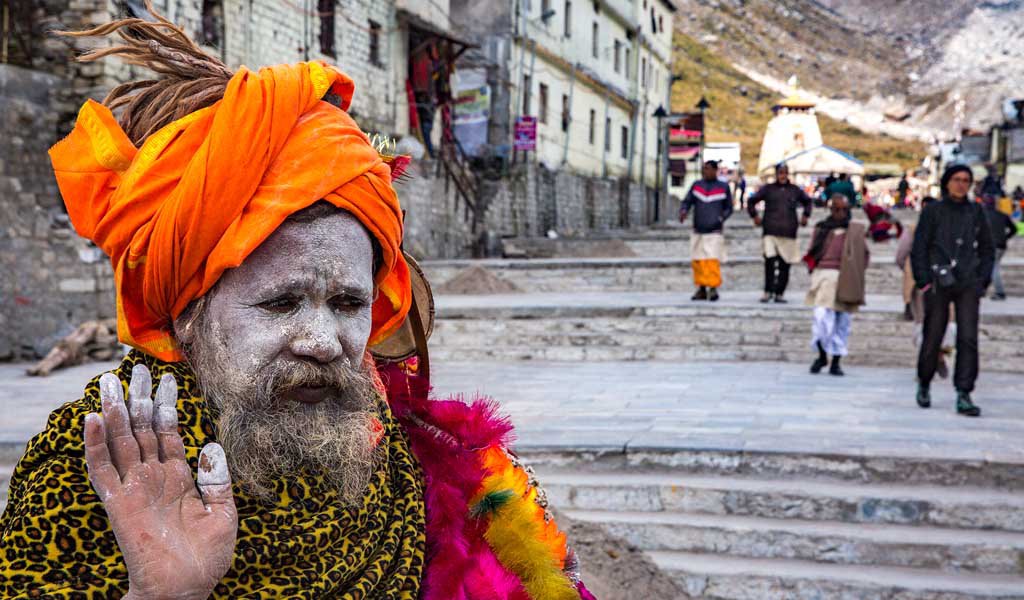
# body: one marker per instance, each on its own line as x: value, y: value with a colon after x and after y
x: 882, y: 466
x: 666, y: 274
x: 717, y: 577
x: 949, y: 550
x: 846, y: 502
x: 569, y: 327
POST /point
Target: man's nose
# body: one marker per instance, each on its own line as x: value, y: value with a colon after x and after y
x: 317, y: 338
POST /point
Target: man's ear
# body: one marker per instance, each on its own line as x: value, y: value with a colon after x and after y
x: 185, y: 326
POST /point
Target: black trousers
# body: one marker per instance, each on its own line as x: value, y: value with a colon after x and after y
x: 936, y: 317
x: 776, y: 275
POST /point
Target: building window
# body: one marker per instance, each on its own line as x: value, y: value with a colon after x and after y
x: 654, y: 23
x: 677, y: 181
x: 618, y: 51
x: 607, y: 133
x: 565, y: 113
x: 625, y: 141
x: 526, y: 94
x: 592, y: 134
x: 213, y: 23
x: 325, y: 8
x: 643, y: 71
x: 661, y: 24
x: 375, y: 44
x: 626, y: 64
x: 542, y: 100
x: 567, y: 18
x: 594, y: 45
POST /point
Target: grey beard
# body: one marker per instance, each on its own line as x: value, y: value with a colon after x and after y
x: 267, y: 439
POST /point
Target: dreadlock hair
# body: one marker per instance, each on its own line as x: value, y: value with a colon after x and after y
x: 188, y: 78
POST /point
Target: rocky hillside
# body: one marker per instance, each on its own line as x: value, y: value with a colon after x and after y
x: 741, y: 108
x: 938, y: 65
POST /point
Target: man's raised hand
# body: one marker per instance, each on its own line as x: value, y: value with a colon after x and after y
x: 177, y: 540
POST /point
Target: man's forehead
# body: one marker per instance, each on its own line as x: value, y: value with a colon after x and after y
x: 329, y: 248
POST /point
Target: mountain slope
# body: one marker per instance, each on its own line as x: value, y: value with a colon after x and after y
x: 909, y: 58
x: 741, y: 108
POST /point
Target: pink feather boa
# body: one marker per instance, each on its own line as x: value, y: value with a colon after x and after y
x: 445, y: 436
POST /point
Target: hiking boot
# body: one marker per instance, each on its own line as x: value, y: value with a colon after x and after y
x: 924, y: 396
x: 713, y: 294
x: 964, y: 406
x: 766, y: 298
x: 835, y: 369
x: 780, y: 300
x: 701, y: 294
x: 818, y: 364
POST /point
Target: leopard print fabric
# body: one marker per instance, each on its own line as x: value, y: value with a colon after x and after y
x: 56, y: 541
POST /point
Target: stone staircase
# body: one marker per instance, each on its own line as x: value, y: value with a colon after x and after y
x: 594, y: 327
x: 645, y: 274
x: 746, y: 526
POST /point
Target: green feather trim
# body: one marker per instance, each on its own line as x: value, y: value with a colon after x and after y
x: 490, y: 503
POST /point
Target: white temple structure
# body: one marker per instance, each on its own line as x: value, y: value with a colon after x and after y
x: 794, y: 137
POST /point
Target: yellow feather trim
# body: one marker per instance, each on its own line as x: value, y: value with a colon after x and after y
x: 524, y: 542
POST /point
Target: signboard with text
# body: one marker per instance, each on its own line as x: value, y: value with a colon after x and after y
x: 525, y: 133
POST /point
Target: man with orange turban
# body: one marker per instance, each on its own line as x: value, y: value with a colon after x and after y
x: 256, y: 243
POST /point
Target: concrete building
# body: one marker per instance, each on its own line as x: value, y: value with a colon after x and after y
x: 591, y: 72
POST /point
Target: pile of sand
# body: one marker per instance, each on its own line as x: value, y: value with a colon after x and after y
x: 476, y: 280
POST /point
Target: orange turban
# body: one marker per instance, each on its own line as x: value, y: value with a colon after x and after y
x: 206, y: 190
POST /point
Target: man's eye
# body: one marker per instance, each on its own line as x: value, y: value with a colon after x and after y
x: 280, y: 305
x: 347, y: 302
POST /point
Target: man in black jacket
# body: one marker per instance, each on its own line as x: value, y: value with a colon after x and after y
x: 711, y: 203
x: 952, y: 260
x: 781, y: 200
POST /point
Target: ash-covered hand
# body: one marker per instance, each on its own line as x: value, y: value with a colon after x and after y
x: 177, y: 540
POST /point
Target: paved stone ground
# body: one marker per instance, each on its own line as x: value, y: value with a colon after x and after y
x: 745, y: 406
x: 727, y: 406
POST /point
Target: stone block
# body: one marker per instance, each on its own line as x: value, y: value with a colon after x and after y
x: 77, y: 286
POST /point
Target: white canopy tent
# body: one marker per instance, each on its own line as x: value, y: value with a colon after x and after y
x: 820, y: 160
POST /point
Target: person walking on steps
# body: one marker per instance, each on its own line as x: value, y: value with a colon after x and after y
x: 711, y: 203
x: 952, y: 258
x: 1003, y: 228
x: 838, y: 261
x: 781, y: 201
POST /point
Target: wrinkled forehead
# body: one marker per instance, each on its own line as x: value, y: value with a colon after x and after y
x: 317, y: 246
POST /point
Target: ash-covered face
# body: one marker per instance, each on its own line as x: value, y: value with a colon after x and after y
x: 278, y: 349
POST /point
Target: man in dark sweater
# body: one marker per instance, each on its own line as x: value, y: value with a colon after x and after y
x: 711, y: 203
x: 1003, y: 228
x: 952, y: 259
x: 781, y: 200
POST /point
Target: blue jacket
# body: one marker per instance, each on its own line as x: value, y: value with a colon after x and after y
x: 711, y: 204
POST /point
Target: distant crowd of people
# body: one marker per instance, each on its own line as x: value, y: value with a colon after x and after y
x: 949, y: 259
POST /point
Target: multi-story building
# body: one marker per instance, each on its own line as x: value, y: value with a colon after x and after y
x: 591, y: 72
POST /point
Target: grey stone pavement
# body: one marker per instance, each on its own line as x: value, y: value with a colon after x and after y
x: 727, y: 406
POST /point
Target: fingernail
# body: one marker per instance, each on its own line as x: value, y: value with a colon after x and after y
x: 141, y: 384
x: 213, y: 466
x: 110, y: 388
x: 167, y: 392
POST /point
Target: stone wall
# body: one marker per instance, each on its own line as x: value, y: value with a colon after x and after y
x: 527, y: 203
x: 52, y: 280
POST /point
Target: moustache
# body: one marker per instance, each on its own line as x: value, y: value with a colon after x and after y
x: 338, y: 378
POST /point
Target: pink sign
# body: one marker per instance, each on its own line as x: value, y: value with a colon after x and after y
x: 526, y: 133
